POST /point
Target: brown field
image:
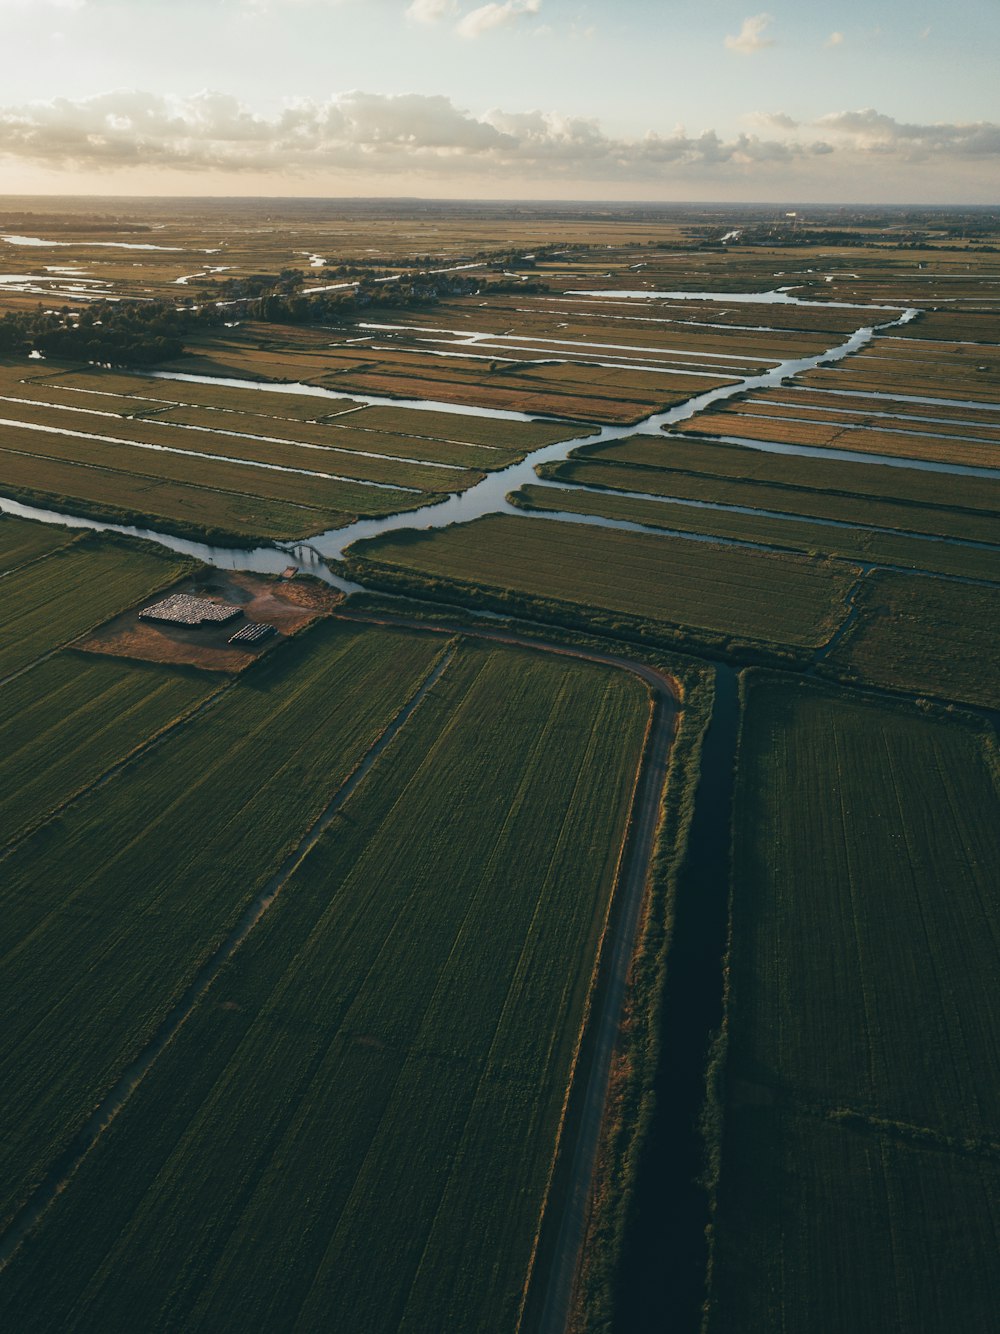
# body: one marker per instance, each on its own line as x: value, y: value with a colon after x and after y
x: 941, y: 412
x: 864, y: 440
x: 838, y: 414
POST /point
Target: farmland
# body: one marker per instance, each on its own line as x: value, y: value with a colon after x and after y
x: 338, y: 1049
x: 859, y: 1090
x: 924, y: 636
x: 784, y: 533
x: 669, y: 582
x: 79, y: 583
x: 307, y: 955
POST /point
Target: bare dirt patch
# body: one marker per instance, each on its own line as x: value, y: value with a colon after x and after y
x: 288, y: 605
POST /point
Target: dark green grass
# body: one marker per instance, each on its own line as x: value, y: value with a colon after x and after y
x: 924, y: 635
x: 22, y: 541
x: 862, y: 1137
x: 108, y: 910
x: 792, y: 534
x: 65, y: 723
x: 56, y: 599
x: 665, y: 580
x: 358, y: 1123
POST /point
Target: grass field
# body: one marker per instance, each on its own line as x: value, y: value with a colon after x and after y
x: 64, y: 724
x: 22, y: 541
x: 790, y: 534
x: 81, y: 583
x: 862, y: 1140
x: 810, y: 500
x: 926, y: 636
x: 361, y: 1115
x: 826, y: 482
x: 136, y: 883
x: 663, y: 580
x: 902, y: 443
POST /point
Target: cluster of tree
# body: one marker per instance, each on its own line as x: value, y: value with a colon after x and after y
x: 124, y: 333
x: 143, y: 333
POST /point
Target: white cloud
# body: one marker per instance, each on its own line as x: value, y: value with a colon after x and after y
x: 750, y: 37
x: 431, y: 11
x: 774, y: 120
x: 371, y: 135
x: 871, y: 132
x: 835, y: 39
x: 494, y: 15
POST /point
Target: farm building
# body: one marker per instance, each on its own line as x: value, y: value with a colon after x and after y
x: 183, y: 609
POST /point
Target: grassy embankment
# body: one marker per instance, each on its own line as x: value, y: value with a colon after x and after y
x: 361, y: 1115
x: 855, y: 1102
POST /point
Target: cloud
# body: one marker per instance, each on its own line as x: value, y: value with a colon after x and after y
x: 493, y: 15
x: 835, y: 39
x: 774, y: 120
x: 353, y: 131
x: 431, y: 11
x: 371, y: 135
x: 750, y: 37
x: 871, y: 132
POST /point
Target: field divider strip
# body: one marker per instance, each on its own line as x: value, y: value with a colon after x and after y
x: 67, y: 1164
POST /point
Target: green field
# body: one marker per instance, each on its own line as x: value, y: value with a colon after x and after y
x: 22, y: 541
x: 924, y: 635
x: 136, y: 883
x: 791, y: 534
x: 909, y: 499
x: 861, y: 1150
x: 663, y: 580
x: 63, y: 724
x: 360, y: 1118
x: 79, y: 585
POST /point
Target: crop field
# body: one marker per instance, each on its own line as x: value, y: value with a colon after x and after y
x: 807, y: 502
x: 939, y: 415
x: 663, y: 580
x: 64, y: 724
x: 540, y: 385
x: 105, y: 893
x: 841, y: 434
x: 902, y: 366
x: 726, y: 328
x: 861, y: 1122
x: 346, y: 430
x: 926, y: 636
x: 345, y: 1124
x: 22, y: 542
x: 340, y: 905
x: 827, y: 488
x: 135, y: 393
x: 789, y: 534
x: 80, y: 583
x: 875, y: 415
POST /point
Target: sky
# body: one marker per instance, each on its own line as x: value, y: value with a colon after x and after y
x: 858, y: 101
